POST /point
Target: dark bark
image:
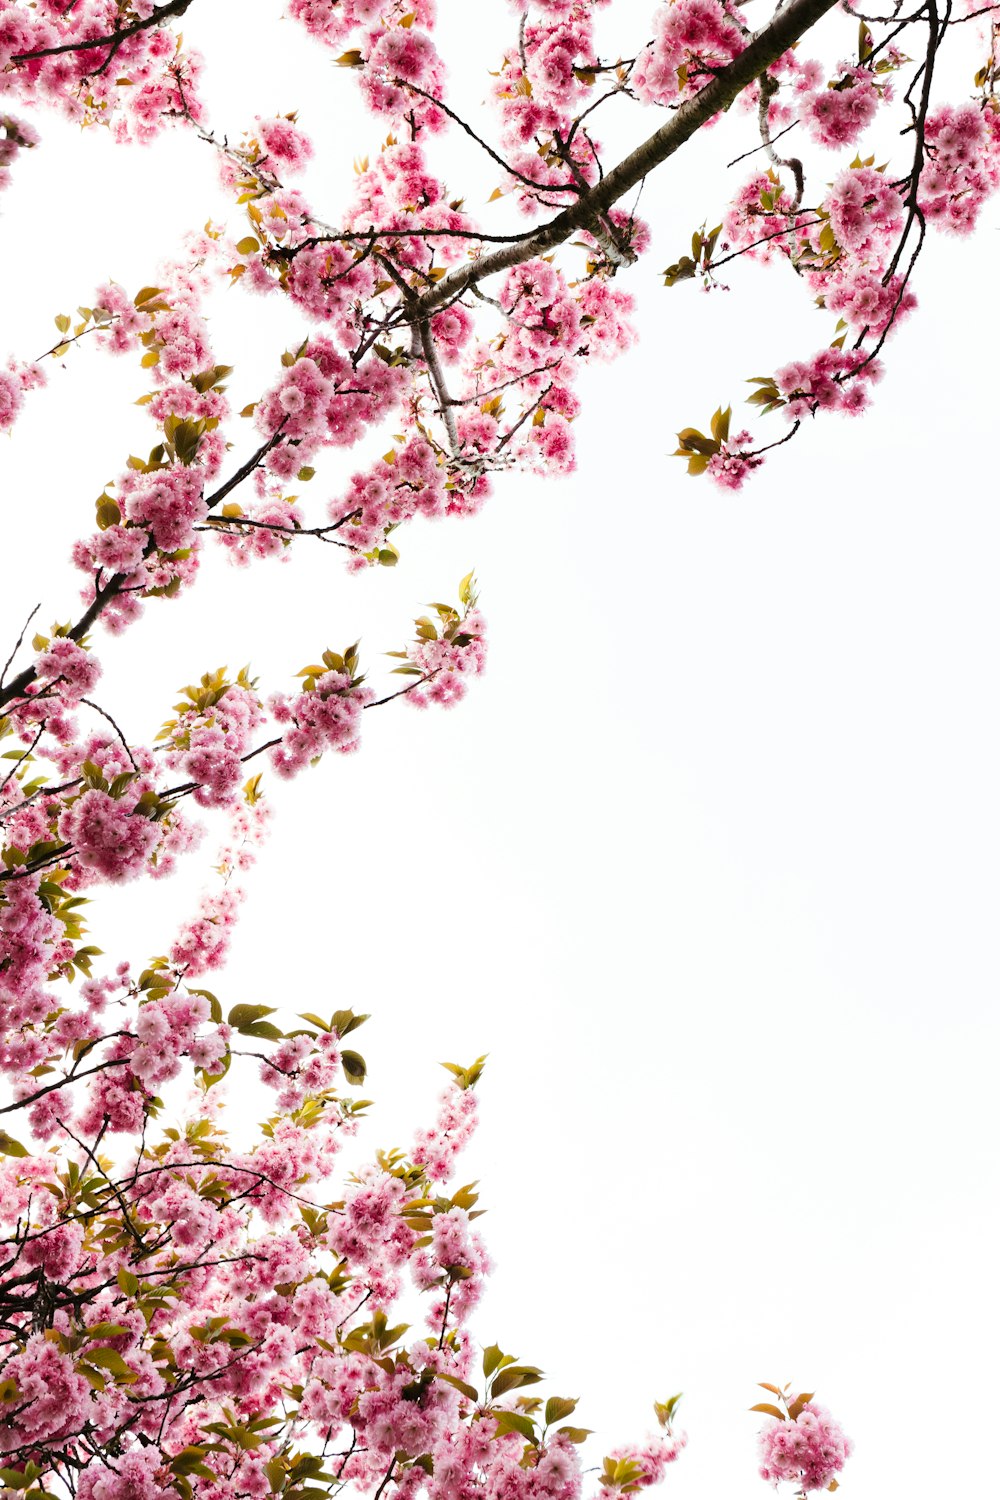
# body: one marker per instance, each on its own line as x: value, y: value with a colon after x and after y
x: 788, y: 25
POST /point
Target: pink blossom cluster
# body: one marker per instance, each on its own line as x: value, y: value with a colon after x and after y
x: 121, y: 320
x: 734, y: 462
x: 321, y: 400
x: 372, y: 1233
x: 64, y: 673
x: 15, y: 380
x: 53, y: 1400
x: 208, y: 739
x: 203, y: 942
x: 690, y: 39
x: 301, y: 1066
x: 165, y: 1031
x: 455, y: 1265
x: 832, y: 380
x: 281, y: 146
x: 401, y: 67
x: 863, y: 211
x: 398, y: 190
x: 551, y: 326
x: 147, y: 543
x: 962, y: 169
x: 33, y: 944
x: 838, y: 115
x: 149, y: 80
x: 411, y: 480
x: 106, y: 823
x: 325, y: 716
x: 808, y: 1452
x: 327, y: 281
x: 437, y: 1147
x: 268, y: 529
x: 394, y: 49
x: 167, y: 504
x: 137, y: 1475
x: 113, y: 838
x: 541, y: 87
x: 447, y: 661
x: 332, y: 279
x: 17, y: 135
x: 651, y: 1459
x: 759, y: 221
x: 473, y: 1460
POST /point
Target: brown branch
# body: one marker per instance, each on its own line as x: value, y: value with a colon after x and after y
x: 17, y: 685
x: 786, y: 28
x: 17, y: 644
x: 114, y: 39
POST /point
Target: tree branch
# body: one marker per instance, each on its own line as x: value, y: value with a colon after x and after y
x: 787, y: 26
x: 114, y: 39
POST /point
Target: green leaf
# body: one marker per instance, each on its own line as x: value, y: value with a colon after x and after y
x: 665, y: 1409
x: 513, y: 1376
x: 557, y: 1407
x: 720, y: 424
x: 460, y: 1385
x: 241, y: 1016
x: 515, y: 1421
x: 17, y: 1479
x: 493, y: 1358
x: 465, y: 589
x: 111, y: 1360
x: 354, y: 1066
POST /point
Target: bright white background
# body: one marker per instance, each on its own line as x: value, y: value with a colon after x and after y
x: 707, y: 862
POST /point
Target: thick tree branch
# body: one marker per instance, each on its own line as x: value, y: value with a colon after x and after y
x: 787, y: 26
x: 114, y: 39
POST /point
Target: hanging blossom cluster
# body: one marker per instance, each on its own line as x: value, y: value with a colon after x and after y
x: 203, y: 942
x: 801, y: 1444
x: 15, y: 380
x: 963, y: 166
x: 447, y: 654
x: 17, y: 135
x: 542, y: 88
x: 836, y: 113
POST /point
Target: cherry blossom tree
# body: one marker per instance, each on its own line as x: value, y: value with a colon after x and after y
x: 183, y: 1312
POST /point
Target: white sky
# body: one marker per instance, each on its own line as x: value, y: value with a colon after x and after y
x: 707, y: 861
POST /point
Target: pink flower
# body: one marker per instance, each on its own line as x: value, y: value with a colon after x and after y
x: 287, y: 148
x: 808, y: 1452
x: 836, y: 116
x: 111, y: 838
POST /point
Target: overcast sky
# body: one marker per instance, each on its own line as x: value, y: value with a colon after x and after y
x: 707, y: 862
